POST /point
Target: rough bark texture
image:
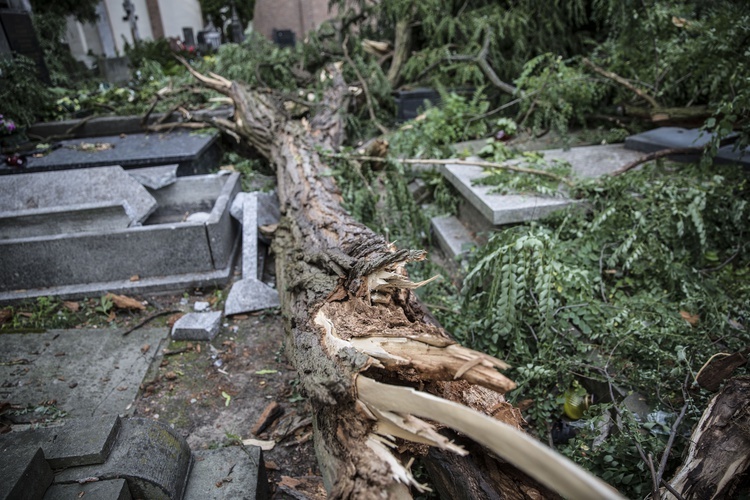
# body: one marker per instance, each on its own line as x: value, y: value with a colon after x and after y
x: 719, y: 456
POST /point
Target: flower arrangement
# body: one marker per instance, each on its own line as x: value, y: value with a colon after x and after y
x: 7, y: 126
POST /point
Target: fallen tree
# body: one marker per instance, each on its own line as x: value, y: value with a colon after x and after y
x: 376, y: 368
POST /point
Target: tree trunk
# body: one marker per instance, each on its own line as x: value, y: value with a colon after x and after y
x: 719, y: 455
x: 358, y: 336
x: 401, y: 51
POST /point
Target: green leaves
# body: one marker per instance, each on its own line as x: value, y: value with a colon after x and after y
x: 584, y: 294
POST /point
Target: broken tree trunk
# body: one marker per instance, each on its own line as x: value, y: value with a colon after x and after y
x: 357, y: 335
x: 718, y: 459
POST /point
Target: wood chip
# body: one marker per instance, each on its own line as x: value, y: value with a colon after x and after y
x: 71, y: 306
x: 125, y: 302
x: 264, y: 445
x: 269, y: 416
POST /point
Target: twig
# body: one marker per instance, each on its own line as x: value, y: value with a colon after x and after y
x: 672, y: 490
x: 365, y: 88
x: 622, y: 81
x: 601, y: 270
x: 481, y: 60
x: 150, y: 318
x: 673, y: 433
x: 477, y: 163
x: 654, y: 480
x: 655, y: 156
x: 144, y: 120
x: 78, y: 125
x: 723, y: 264
x: 172, y: 125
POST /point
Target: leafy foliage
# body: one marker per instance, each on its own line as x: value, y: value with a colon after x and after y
x: 431, y: 135
x: 599, y: 293
x: 558, y: 93
x: 507, y: 181
x: 22, y: 95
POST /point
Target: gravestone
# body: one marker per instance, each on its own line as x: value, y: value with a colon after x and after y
x: 284, y: 38
x: 194, y: 153
x: 21, y: 37
x: 76, y: 189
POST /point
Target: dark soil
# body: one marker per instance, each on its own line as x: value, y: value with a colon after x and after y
x: 214, y: 392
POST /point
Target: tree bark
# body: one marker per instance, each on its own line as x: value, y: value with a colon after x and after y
x: 401, y: 51
x: 718, y: 459
x: 358, y: 336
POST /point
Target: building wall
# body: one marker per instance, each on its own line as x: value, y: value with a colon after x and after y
x: 300, y: 16
x: 108, y: 35
x: 178, y: 14
x: 121, y: 29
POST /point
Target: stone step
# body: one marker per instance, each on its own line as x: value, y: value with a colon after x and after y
x: 452, y: 237
x: 24, y: 475
x: 113, y: 489
x: 492, y: 209
x: 80, y: 441
x: 232, y: 472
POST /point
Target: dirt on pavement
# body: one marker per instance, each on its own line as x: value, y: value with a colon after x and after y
x: 215, y: 392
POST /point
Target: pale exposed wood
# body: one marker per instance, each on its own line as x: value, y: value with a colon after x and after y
x: 518, y: 448
x: 719, y: 455
x: 401, y: 51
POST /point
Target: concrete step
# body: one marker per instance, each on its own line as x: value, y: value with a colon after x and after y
x: 113, y: 489
x: 452, y: 237
x: 80, y: 441
x: 232, y: 472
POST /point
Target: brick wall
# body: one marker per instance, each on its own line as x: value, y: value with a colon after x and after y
x: 300, y: 16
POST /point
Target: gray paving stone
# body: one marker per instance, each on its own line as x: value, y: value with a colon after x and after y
x: 155, y: 177
x: 249, y: 295
x: 453, y: 238
x: 87, y: 218
x: 74, y: 188
x: 24, y: 475
x: 104, y: 384
x: 80, y: 441
x: 113, y: 489
x: 197, y: 326
x: 191, y: 151
x: 152, y: 457
x: 240, y: 475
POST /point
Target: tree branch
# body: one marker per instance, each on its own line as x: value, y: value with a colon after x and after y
x: 477, y: 163
x: 622, y: 81
x: 655, y: 156
x: 365, y: 88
